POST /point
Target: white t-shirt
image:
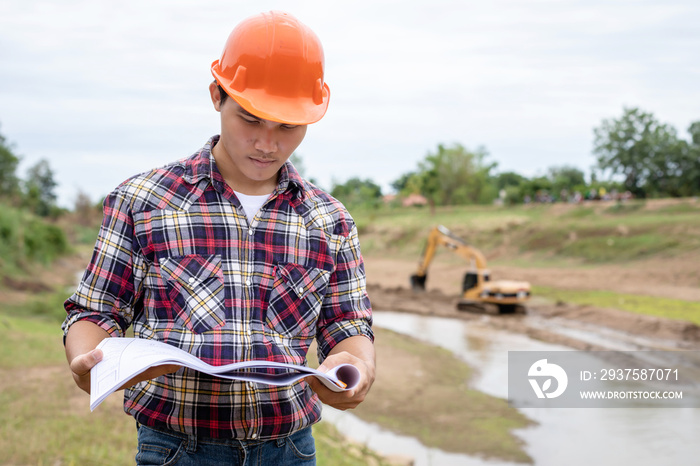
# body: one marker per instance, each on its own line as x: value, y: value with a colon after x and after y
x: 251, y: 204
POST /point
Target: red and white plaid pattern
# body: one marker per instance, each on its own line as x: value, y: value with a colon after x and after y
x: 177, y: 260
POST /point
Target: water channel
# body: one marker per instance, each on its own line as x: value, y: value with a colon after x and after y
x: 572, y: 436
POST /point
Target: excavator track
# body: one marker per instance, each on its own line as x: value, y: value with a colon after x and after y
x: 479, y: 307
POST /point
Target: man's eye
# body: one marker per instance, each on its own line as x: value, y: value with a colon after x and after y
x: 289, y: 126
x: 252, y: 122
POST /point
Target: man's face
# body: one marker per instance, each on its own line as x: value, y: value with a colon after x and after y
x: 252, y: 150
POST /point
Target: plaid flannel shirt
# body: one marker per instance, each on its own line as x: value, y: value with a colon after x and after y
x: 177, y: 260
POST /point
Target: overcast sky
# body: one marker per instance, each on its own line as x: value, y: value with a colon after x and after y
x: 107, y: 89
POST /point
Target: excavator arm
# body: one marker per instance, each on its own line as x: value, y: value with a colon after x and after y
x: 441, y: 236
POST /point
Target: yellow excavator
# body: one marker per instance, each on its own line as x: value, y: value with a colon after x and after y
x: 480, y: 294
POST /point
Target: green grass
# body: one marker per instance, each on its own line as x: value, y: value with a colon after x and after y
x: 26, y: 239
x: 581, y: 212
x: 45, y: 423
x: 333, y: 449
x: 47, y: 305
x: 683, y: 207
x: 676, y: 309
x: 592, y: 233
x: 46, y: 420
x: 84, y: 235
x: 28, y: 342
x: 615, y: 248
x: 43, y: 420
x: 624, y: 208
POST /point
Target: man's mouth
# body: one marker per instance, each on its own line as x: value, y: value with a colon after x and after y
x: 262, y: 162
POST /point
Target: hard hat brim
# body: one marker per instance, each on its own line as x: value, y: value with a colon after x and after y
x: 289, y: 110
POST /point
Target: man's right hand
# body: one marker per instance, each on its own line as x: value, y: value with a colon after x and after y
x: 82, y: 354
x: 81, y: 365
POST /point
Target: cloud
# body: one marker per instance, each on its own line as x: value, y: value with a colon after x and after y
x: 125, y: 82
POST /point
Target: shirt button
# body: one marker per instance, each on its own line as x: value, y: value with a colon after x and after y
x: 301, y: 290
x: 191, y: 280
x: 248, y: 283
x: 254, y: 436
x: 250, y: 232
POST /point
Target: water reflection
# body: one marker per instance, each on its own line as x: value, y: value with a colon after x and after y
x: 389, y: 443
x: 616, y: 436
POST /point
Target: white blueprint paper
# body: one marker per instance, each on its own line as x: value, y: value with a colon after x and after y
x: 124, y: 358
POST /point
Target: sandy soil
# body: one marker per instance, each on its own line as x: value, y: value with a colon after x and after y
x: 387, y: 281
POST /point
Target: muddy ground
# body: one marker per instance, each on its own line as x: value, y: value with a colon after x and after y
x: 388, y: 286
x: 389, y: 290
x: 679, y: 278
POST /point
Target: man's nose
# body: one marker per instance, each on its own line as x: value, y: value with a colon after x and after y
x: 266, y: 141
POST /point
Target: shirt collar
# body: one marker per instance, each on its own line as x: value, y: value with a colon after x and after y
x: 202, y: 165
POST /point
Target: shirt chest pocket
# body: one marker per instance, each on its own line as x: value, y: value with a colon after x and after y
x: 196, y: 293
x: 295, y: 299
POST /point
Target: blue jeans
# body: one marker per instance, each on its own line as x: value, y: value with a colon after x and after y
x: 159, y: 447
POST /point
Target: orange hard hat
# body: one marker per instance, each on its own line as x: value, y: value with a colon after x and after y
x: 272, y: 65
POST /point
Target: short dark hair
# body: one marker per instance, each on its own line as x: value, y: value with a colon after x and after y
x: 223, y: 93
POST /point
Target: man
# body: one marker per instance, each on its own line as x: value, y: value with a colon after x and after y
x: 231, y: 256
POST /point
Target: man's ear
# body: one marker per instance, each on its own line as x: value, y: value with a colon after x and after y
x: 215, y: 95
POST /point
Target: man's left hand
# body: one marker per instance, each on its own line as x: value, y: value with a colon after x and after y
x: 347, y: 352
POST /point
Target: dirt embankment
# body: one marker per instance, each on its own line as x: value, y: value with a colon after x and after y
x: 388, y: 285
x: 597, y: 328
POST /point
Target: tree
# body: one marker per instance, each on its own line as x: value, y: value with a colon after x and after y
x: 645, y: 152
x: 298, y: 163
x: 694, y: 131
x: 565, y: 180
x: 538, y: 189
x: 566, y: 177
x: 455, y: 175
x: 511, y: 184
x: 39, y: 189
x: 692, y: 171
x: 86, y: 211
x: 9, y: 183
x: 405, y: 183
x: 509, y: 179
x: 357, y: 192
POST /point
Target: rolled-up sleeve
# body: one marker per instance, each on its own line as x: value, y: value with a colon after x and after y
x: 346, y: 309
x: 107, y: 291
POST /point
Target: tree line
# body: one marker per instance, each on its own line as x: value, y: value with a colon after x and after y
x: 637, y: 156
x: 28, y: 233
x: 36, y: 192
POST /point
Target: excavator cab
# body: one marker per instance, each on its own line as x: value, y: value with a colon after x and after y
x: 471, y: 280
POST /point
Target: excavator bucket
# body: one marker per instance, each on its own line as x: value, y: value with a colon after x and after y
x: 418, y: 282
